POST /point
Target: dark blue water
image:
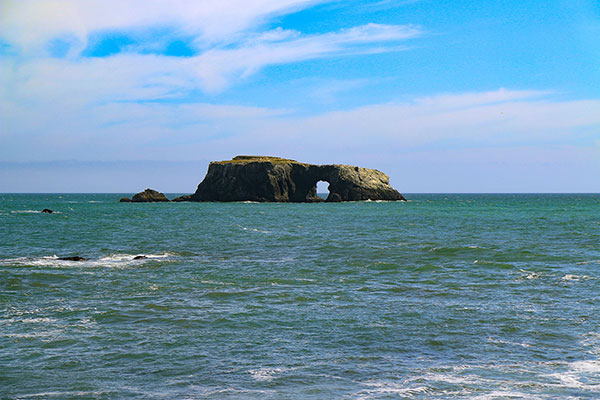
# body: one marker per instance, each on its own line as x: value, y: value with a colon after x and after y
x: 442, y: 297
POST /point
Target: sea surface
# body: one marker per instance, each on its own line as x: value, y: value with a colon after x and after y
x: 441, y: 297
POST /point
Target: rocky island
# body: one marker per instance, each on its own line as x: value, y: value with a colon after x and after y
x: 147, y: 196
x: 274, y: 179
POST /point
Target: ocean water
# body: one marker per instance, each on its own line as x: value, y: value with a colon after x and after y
x: 442, y: 297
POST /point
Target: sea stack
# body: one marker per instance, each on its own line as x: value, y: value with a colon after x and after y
x: 274, y: 179
x: 147, y: 196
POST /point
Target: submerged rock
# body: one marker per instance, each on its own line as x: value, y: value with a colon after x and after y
x: 274, y: 179
x: 147, y: 196
x: 47, y: 211
x: 74, y: 258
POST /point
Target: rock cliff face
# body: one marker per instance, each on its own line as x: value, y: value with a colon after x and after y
x: 273, y: 179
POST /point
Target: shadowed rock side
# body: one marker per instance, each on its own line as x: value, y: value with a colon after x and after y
x: 272, y: 179
x: 147, y: 196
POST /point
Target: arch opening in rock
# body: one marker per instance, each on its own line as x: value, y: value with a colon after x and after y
x: 323, y: 189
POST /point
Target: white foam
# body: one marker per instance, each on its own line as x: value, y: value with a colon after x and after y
x: 38, y: 320
x: 530, y: 274
x: 500, y: 341
x: 112, y: 260
x: 505, y: 394
x: 32, y: 212
x: 43, y: 335
x: 591, y: 366
x: 570, y: 277
x: 254, y: 229
x: 45, y: 395
x: 587, y: 262
x: 576, y: 375
x: 388, y: 387
x: 267, y: 374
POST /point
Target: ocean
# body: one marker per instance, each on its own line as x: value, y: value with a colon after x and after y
x: 446, y: 296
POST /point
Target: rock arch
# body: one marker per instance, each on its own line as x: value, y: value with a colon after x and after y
x: 274, y: 179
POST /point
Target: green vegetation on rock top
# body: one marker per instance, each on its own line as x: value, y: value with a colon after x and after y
x: 247, y: 159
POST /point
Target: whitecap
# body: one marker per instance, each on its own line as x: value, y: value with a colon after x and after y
x: 112, y: 260
x: 267, y: 374
x: 530, y: 274
x: 571, y: 277
x: 591, y: 366
x: 45, y: 395
x: 244, y: 228
x: 388, y: 388
x: 39, y: 320
x: 500, y: 341
x: 505, y: 394
x: 577, y: 375
x: 32, y: 212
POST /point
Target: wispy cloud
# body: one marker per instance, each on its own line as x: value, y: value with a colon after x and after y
x: 500, y: 118
x: 29, y: 24
x: 131, y: 76
x: 226, y: 36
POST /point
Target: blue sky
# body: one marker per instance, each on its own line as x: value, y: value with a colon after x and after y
x: 470, y: 96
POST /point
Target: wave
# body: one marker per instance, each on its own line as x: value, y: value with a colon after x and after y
x: 571, y: 277
x: 587, y: 262
x: 67, y: 393
x: 253, y: 229
x: 31, y: 212
x: 442, y: 250
x: 111, y: 260
x: 577, y: 376
x: 466, y: 381
x: 498, y: 264
x: 267, y: 374
x: 376, y: 388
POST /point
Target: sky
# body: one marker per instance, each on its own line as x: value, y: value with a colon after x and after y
x: 443, y: 96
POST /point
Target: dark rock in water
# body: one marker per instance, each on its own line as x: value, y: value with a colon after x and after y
x: 273, y: 179
x: 47, y: 211
x: 75, y: 258
x: 149, y: 196
x: 183, y: 198
x: 334, y: 198
x: 125, y: 200
x: 140, y: 257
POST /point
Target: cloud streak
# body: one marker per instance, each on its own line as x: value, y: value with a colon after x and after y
x: 184, y: 131
x: 29, y: 24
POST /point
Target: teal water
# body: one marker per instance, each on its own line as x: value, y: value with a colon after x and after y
x: 442, y: 297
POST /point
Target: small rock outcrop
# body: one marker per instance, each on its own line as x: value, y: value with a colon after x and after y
x: 274, y: 179
x: 147, y: 196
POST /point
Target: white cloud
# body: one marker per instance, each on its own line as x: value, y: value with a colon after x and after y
x: 30, y: 24
x: 145, y: 76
